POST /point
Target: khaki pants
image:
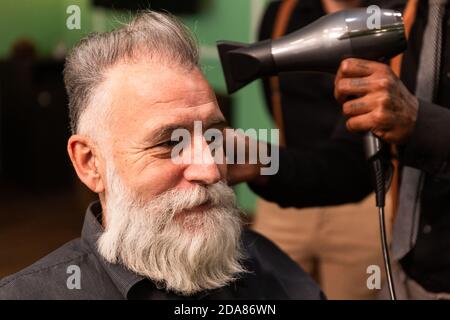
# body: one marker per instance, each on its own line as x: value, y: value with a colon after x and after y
x: 334, y: 244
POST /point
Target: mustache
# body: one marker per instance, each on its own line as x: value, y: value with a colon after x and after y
x: 217, y: 195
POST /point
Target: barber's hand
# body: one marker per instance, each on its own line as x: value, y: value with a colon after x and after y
x: 238, y: 173
x: 244, y: 172
x: 379, y: 102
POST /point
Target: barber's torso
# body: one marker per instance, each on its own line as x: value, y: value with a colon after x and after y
x: 310, y: 114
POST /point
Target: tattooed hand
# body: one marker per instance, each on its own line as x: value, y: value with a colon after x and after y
x: 382, y: 105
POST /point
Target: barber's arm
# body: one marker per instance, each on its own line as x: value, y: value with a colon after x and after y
x: 331, y: 173
x: 429, y: 145
x: 386, y: 107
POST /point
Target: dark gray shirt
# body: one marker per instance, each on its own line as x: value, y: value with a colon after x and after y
x: 273, y: 276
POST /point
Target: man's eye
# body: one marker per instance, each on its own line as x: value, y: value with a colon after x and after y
x: 167, y: 144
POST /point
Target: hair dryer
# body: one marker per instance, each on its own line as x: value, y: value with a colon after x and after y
x: 321, y: 46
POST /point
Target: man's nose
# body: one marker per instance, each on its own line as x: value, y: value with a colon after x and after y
x: 203, y: 169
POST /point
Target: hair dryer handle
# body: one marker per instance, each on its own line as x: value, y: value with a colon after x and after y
x: 378, y: 155
x: 372, y: 145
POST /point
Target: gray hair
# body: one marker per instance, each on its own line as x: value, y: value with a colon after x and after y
x: 156, y: 35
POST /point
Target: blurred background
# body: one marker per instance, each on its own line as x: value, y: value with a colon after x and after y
x: 42, y: 203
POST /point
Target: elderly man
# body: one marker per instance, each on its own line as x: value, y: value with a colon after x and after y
x: 162, y: 229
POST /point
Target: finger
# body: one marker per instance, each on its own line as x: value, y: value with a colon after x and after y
x: 358, y: 106
x: 381, y: 133
x: 360, y: 123
x: 353, y: 67
x: 351, y: 87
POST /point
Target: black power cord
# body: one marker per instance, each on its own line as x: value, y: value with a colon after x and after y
x: 378, y: 167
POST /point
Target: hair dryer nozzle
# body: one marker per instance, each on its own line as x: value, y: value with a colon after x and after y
x: 242, y: 64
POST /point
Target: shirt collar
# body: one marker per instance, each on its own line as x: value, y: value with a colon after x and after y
x: 123, y: 278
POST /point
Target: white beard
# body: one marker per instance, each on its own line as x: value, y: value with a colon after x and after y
x: 182, y: 253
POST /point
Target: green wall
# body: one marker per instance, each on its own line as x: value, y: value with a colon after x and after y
x: 44, y: 22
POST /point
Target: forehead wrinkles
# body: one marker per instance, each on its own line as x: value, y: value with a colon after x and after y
x: 156, y: 81
x: 137, y: 93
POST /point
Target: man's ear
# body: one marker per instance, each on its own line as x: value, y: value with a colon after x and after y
x: 85, y: 159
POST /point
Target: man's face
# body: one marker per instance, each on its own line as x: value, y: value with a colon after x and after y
x: 177, y: 224
x: 149, y: 101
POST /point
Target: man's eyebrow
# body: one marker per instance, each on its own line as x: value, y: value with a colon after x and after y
x: 217, y: 123
x: 165, y: 131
